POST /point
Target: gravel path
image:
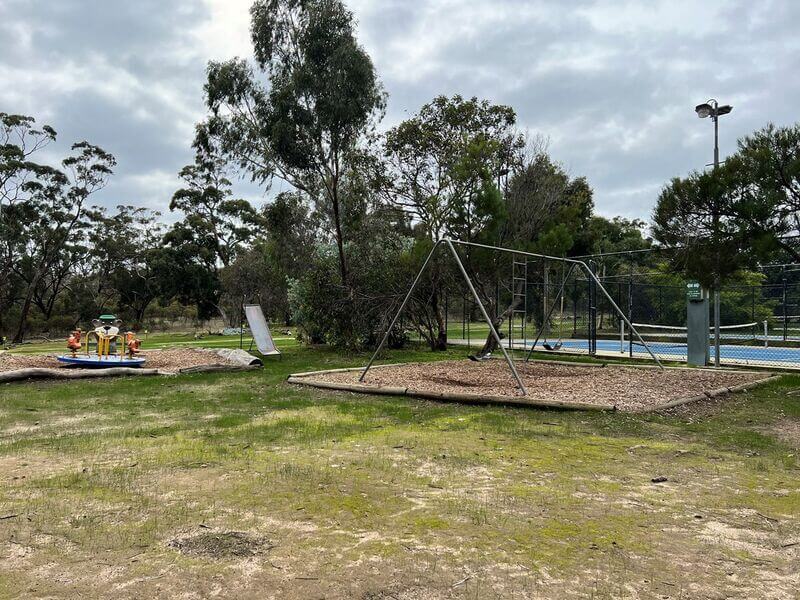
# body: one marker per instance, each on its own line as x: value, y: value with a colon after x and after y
x: 628, y: 388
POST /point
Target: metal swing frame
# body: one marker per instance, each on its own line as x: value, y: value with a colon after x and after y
x: 451, y: 244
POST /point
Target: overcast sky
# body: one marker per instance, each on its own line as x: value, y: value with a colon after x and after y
x: 611, y: 84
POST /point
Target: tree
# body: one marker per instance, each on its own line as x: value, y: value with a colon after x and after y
x: 20, y: 140
x: 744, y: 212
x: 322, y: 97
x: 441, y: 160
x: 51, y: 210
x: 698, y: 218
x: 442, y: 168
x: 544, y: 211
x: 225, y: 223
x: 764, y: 175
x: 124, y: 261
x: 283, y: 251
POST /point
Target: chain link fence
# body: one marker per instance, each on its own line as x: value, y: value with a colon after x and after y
x: 564, y: 311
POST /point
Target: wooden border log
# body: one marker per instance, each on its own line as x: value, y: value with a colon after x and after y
x: 217, y: 369
x: 444, y: 396
x: 752, y: 384
x: 345, y: 370
x: 44, y: 373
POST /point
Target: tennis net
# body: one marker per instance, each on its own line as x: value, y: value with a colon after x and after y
x: 671, y: 337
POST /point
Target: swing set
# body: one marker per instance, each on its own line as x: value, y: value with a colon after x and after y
x: 519, y: 261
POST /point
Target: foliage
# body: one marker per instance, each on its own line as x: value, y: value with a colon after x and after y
x: 322, y: 307
x: 283, y: 250
x: 765, y: 176
x: 222, y: 223
x: 45, y: 215
x: 441, y: 161
x: 740, y: 214
x: 321, y: 98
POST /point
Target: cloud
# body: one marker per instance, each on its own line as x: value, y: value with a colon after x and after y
x: 611, y: 83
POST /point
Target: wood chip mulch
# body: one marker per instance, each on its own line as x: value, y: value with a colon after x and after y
x: 628, y: 388
x: 170, y: 359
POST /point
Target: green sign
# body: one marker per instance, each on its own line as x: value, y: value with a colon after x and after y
x: 694, y: 291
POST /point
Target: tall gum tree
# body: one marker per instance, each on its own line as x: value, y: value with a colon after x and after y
x: 300, y: 112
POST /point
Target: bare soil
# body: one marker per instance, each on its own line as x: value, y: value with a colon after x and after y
x: 224, y: 544
x: 626, y: 388
x: 171, y: 359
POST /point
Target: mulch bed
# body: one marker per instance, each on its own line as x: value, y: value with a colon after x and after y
x: 172, y: 359
x: 631, y: 389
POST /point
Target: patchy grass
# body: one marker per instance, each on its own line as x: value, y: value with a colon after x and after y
x: 243, y: 486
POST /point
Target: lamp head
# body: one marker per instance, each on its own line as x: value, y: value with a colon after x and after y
x: 704, y: 110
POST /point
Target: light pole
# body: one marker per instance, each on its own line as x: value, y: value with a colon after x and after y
x: 711, y: 108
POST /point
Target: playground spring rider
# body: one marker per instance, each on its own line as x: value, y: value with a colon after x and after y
x: 111, y: 349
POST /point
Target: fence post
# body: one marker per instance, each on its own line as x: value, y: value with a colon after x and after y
x: 785, y: 311
x: 630, y: 307
x: 592, y: 312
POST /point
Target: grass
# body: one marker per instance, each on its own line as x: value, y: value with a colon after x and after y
x: 376, y: 497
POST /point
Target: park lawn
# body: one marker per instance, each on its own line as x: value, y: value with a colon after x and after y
x: 243, y: 486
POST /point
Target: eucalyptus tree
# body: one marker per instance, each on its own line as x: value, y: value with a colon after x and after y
x: 123, y: 262
x: 45, y: 212
x: 544, y: 210
x: 441, y: 161
x: 300, y: 112
x: 443, y: 167
x: 20, y: 141
x: 224, y: 223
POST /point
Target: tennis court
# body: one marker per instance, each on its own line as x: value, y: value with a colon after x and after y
x: 729, y: 353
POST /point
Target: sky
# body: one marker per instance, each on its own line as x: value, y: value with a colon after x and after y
x: 611, y: 84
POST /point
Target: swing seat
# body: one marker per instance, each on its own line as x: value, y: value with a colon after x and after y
x: 475, y: 358
x: 553, y: 347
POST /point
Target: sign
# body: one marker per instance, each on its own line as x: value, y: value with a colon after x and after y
x: 694, y: 291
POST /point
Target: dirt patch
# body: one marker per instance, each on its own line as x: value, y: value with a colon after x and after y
x: 171, y: 359
x: 625, y: 388
x: 788, y: 431
x: 224, y: 544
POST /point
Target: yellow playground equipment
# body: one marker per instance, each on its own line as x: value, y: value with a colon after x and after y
x: 111, y: 348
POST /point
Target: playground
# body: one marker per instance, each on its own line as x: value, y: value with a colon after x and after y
x: 240, y: 482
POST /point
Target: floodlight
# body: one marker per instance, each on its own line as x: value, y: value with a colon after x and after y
x: 703, y: 110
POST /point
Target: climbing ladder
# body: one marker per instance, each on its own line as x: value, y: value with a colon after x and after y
x: 519, y: 314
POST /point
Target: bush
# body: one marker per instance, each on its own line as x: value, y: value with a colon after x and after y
x: 326, y: 311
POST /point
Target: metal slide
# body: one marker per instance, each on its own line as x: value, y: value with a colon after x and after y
x: 260, y: 330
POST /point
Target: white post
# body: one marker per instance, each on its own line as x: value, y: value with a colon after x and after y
x: 766, y: 333
x: 621, y: 336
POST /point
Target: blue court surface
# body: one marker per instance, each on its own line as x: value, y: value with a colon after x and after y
x: 729, y: 353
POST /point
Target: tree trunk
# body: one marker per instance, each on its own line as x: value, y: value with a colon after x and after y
x: 490, y: 345
x: 337, y: 222
x: 26, y: 309
x: 439, y: 342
